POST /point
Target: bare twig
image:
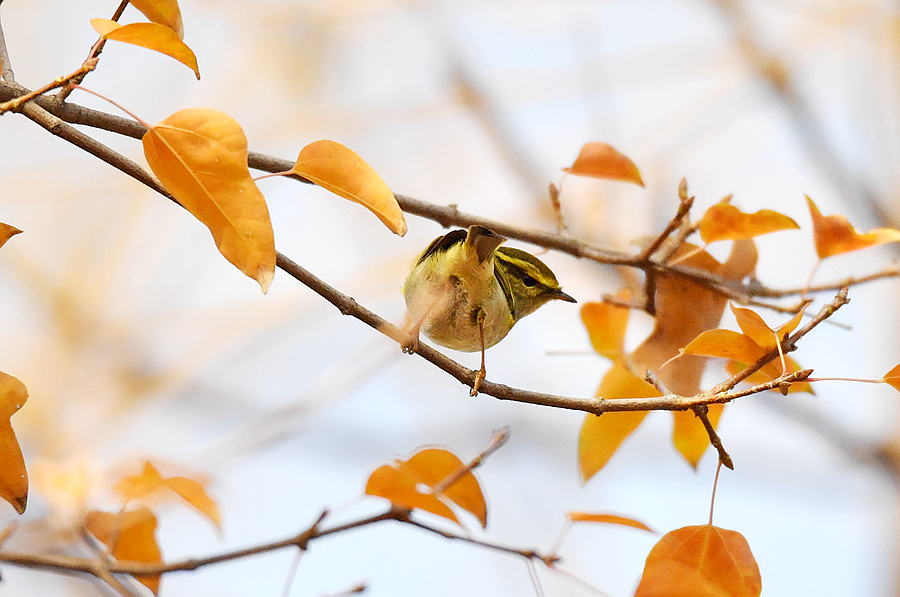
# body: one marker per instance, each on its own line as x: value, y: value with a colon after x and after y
x: 500, y: 438
x: 6, y: 71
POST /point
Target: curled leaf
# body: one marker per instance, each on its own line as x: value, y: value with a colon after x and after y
x: 200, y: 156
x: 130, y: 536
x: 420, y: 483
x: 835, y: 235
x: 600, y: 160
x: 341, y: 171
x: 13, y: 476
x: 164, y: 12
x: 152, y: 36
x: 700, y: 561
x: 724, y: 221
x: 575, y: 516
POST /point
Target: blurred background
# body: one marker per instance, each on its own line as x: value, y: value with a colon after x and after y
x: 137, y: 340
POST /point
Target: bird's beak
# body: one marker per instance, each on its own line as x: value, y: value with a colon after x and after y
x: 562, y: 296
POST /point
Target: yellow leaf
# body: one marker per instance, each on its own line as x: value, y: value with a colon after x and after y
x: 7, y: 232
x: 724, y: 221
x: 130, y: 536
x: 607, y: 518
x: 726, y: 344
x: 13, y: 476
x: 689, y: 436
x: 770, y: 372
x: 152, y: 36
x: 600, y: 160
x: 700, y: 561
x: 606, y: 325
x: 418, y: 483
x: 835, y: 235
x: 601, y: 436
x: 200, y: 156
x: 757, y: 330
x: 190, y: 490
x: 164, y: 12
x: 339, y: 170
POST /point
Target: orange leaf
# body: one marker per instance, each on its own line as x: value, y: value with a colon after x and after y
x: 599, y: 160
x: 689, y: 436
x: 13, y: 476
x: 724, y: 221
x: 607, y: 518
x: 700, y: 561
x: 757, y: 330
x: 834, y: 234
x: 7, y: 232
x: 339, y: 170
x: 892, y: 378
x: 606, y: 325
x: 164, y: 12
x: 130, y: 536
x: 684, y: 310
x: 190, y: 490
x: 770, y: 372
x: 404, y: 483
x: 152, y: 36
x: 601, y: 436
x: 200, y: 156
x: 726, y: 344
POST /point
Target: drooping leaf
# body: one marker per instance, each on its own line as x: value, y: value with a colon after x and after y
x: 130, y: 536
x: 152, y: 36
x: 189, y: 490
x: 575, y: 516
x: 835, y: 235
x: 606, y: 325
x: 13, y: 476
x: 164, y: 12
x: 700, y: 561
x: 200, y: 156
x: 684, y: 310
x: 724, y: 221
x: 7, y: 232
x: 417, y: 483
x: 341, y: 171
x: 601, y: 436
x: 600, y: 160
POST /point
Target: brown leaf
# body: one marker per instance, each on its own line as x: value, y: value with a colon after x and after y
x: 339, y: 170
x: 403, y: 482
x: 130, y: 536
x: 7, y: 232
x: 575, y: 516
x: 606, y: 325
x: 600, y: 160
x: 152, y: 36
x: 601, y: 436
x: 13, y: 476
x: 164, y: 12
x: 834, y: 234
x: 700, y: 561
x: 200, y: 156
x: 724, y: 221
x: 190, y: 490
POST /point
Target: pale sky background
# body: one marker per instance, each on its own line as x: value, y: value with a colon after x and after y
x: 137, y: 340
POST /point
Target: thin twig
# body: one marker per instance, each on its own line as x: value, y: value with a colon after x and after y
x: 702, y: 412
x: 500, y: 438
x: 6, y: 70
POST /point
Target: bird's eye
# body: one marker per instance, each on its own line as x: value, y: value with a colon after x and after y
x: 529, y: 281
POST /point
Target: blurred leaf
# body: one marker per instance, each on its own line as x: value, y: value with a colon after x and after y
x: 724, y: 221
x: 601, y: 436
x: 200, y: 156
x: 190, y: 490
x: 130, y: 536
x: 700, y: 561
x: 339, y: 170
x: 7, y: 232
x: 770, y: 372
x: 599, y: 160
x: 164, y: 12
x: 152, y: 36
x: 606, y: 325
x: 413, y: 483
x: 13, y: 476
x: 575, y: 516
x: 834, y: 234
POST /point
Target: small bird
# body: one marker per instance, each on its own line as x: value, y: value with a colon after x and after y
x: 466, y: 291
